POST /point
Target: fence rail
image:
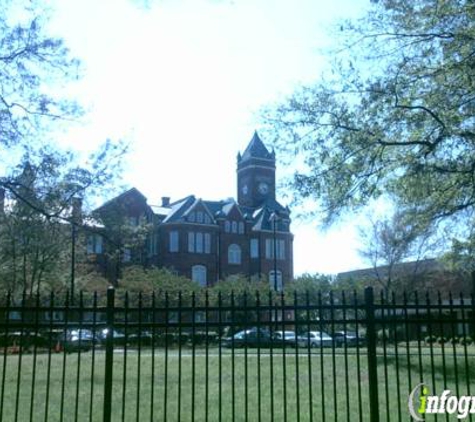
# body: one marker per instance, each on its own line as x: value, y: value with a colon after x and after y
x: 241, y: 357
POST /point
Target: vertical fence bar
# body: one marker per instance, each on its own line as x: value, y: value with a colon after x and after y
x: 50, y: 346
x: 372, y: 358
x: 309, y: 357
x: 109, y: 356
x: 385, y: 352
x: 152, y: 373
x: 20, y: 355
x: 220, y: 356
x: 5, y: 348
x: 358, y: 355
x: 35, y: 354
x: 297, y: 371
x: 124, y: 368
x: 93, y: 355
x: 78, y: 368
x: 206, y: 355
x: 345, y: 346
x: 393, y: 323
x: 193, y: 355
x: 322, y: 363
x: 259, y: 395
x: 139, y: 358
x: 165, y: 365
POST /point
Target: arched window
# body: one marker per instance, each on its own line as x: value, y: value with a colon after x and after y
x: 198, y: 274
x: 275, y: 282
x: 241, y: 227
x: 234, y: 227
x: 234, y: 254
x: 227, y: 226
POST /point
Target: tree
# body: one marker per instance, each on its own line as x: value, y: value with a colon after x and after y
x: 31, y: 63
x: 394, y: 117
x: 33, y: 69
x: 389, y: 242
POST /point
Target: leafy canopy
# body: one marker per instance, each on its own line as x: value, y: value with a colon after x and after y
x: 395, y: 116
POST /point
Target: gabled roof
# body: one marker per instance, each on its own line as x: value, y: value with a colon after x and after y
x: 121, y: 197
x: 257, y: 149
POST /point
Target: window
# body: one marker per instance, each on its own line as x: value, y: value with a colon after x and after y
x: 280, y: 248
x: 199, y: 242
x: 227, y: 226
x: 152, y: 245
x: 207, y: 243
x: 234, y: 254
x: 173, y: 241
x: 241, y: 227
x: 192, y: 218
x: 275, y: 282
x: 207, y: 220
x: 254, y: 248
x: 94, y: 244
x: 199, y: 217
x: 191, y: 241
x: 198, y: 274
x: 234, y: 227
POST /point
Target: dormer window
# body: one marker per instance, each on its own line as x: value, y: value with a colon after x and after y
x: 234, y: 227
x: 199, y: 217
x: 227, y: 226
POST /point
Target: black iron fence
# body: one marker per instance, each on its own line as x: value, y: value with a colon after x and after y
x: 240, y: 357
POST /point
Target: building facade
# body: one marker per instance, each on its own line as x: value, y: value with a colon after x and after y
x: 204, y: 240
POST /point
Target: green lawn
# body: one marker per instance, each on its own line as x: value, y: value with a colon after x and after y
x: 322, y: 383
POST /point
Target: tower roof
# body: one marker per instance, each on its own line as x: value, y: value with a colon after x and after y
x: 257, y: 149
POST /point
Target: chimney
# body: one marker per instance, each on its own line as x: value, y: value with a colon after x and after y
x: 165, y: 201
x: 2, y: 200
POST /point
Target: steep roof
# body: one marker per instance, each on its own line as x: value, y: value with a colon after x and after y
x: 257, y: 149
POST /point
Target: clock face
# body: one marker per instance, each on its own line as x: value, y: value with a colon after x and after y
x: 263, y: 188
x: 245, y: 189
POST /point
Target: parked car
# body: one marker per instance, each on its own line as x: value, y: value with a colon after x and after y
x: 315, y: 339
x: 251, y: 337
x: 349, y: 338
x: 76, y: 340
x: 118, y: 338
x: 288, y: 338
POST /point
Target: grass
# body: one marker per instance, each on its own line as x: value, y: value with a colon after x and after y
x: 330, y: 386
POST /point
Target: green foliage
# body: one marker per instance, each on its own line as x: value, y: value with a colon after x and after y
x: 136, y: 279
x: 394, y: 117
x: 31, y: 63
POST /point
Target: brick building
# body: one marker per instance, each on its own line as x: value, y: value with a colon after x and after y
x: 204, y: 240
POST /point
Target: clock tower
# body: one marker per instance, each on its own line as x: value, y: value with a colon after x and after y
x: 255, y: 174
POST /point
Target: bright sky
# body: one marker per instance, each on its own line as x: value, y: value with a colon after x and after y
x: 183, y: 80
